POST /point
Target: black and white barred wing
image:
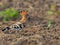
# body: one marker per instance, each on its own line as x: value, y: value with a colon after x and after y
x: 16, y: 26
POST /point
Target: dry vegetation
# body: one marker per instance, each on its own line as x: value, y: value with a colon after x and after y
x: 36, y: 31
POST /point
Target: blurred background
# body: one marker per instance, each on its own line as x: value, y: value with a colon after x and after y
x: 42, y: 26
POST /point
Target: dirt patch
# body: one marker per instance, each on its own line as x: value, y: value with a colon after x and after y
x: 36, y: 31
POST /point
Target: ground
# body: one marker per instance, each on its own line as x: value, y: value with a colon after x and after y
x: 36, y: 31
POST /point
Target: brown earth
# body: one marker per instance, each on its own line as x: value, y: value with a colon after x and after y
x: 36, y: 31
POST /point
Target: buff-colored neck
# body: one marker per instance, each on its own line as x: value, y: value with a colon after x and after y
x: 23, y: 19
x: 24, y: 16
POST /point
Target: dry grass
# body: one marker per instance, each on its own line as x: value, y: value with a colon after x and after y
x: 35, y: 32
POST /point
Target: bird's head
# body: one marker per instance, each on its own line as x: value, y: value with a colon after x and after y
x: 23, y: 13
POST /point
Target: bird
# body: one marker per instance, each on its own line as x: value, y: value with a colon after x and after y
x: 18, y: 25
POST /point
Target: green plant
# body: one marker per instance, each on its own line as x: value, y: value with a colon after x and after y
x: 49, y: 23
x: 8, y: 14
x: 50, y: 15
x: 58, y: 12
x: 50, y: 12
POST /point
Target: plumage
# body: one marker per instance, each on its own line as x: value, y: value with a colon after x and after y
x: 7, y: 28
x: 18, y: 25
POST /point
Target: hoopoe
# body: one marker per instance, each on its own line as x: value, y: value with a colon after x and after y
x: 18, y: 25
